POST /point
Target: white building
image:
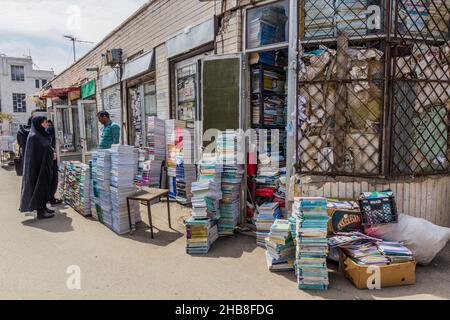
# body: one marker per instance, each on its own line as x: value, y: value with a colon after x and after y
x: 18, y: 80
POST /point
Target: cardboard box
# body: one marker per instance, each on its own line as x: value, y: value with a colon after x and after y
x: 393, y: 275
x: 344, y: 220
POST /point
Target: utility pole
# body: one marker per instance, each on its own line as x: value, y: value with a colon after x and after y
x: 74, y: 40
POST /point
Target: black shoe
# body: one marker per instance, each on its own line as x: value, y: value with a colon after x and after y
x: 55, y: 202
x: 44, y: 215
x: 49, y: 210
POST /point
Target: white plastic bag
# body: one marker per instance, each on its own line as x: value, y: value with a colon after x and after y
x: 422, y: 237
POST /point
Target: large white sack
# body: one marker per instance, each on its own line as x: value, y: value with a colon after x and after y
x: 422, y: 237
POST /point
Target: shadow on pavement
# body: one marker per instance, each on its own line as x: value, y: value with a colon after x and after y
x: 61, y: 223
x: 230, y: 247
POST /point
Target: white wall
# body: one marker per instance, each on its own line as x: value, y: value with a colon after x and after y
x: 27, y: 87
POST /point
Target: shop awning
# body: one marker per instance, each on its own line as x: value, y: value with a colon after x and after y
x: 191, y: 38
x: 139, y: 65
x: 57, y: 92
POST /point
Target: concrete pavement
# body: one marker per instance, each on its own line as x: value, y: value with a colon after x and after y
x: 35, y: 255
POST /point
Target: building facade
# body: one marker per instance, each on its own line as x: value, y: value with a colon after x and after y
x: 197, y: 60
x: 18, y: 80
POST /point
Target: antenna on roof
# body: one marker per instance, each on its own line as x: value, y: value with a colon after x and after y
x: 74, y: 40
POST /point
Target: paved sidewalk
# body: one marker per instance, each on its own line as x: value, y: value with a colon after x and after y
x: 35, y: 255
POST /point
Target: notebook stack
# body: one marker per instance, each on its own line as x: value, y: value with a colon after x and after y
x: 351, y: 17
x: 77, y: 187
x: 207, y: 191
x: 312, y: 248
x: 200, y: 235
x: 232, y: 174
x: 365, y: 254
x: 395, y: 252
x: 156, y: 139
x: 268, y: 27
x: 170, y: 126
x: 123, y: 169
x: 268, y: 212
x: 185, y: 167
x: 280, y: 247
x: 102, y: 186
x: 319, y: 19
x: 139, y: 180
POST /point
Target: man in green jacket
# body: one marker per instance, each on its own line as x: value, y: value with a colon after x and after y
x: 110, y: 133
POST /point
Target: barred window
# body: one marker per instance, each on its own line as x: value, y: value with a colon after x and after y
x: 19, y: 103
x: 374, y: 87
x: 17, y: 73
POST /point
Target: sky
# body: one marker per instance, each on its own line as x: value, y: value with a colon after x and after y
x: 37, y: 27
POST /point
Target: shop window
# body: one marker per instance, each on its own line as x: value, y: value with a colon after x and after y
x: 44, y: 82
x: 150, y: 99
x: 91, y: 126
x: 19, y: 103
x: 267, y: 25
x: 68, y: 129
x: 186, y: 78
x: 17, y: 73
x: 37, y: 83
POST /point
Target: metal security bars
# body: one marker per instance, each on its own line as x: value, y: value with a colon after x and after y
x: 373, y: 87
x: 420, y: 100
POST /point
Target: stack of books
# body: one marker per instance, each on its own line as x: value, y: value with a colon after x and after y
x: 200, y: 234
x: 268, y: 212
x: 170, y: 126
x: 365, y: 254
x: 230, y: 206
x: 102, y: 186
x: 77, y: 187
x: 312, y: 247
x: 156, y: 139
x: 123, y: 169
x: 185, y: 167
x: 280, y: 247
x: 268, y: 27
x: 395, y: 252
x: 319, y: 19
x: 207, y: 191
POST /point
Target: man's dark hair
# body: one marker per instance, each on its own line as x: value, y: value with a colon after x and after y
x: 102, y: 114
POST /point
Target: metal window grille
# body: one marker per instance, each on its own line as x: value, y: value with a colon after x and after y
x: 19, y: 103
x: 374, y: 87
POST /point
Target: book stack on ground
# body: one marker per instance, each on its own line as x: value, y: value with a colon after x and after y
x: 207, y: 191
x: 268, y: 212
x: 312, y: 248
x: 77, y: 187
x: 123, y: 169
x: 280, y: 247
x: 156, y: 139
x: 200, y: 234
x: 170, y: 126
x: 230, y: 206
x: 395, y: 252
x: 102, y: 186
x: 185, y: 167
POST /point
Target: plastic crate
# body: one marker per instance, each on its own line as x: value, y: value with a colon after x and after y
x: 378, y: 211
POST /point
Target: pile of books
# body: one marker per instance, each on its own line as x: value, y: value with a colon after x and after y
x: 319, y: 19
x: 170, y: 126
x: 268, y: 212
x: 77, y: 187
x: 395, y: 252
x: 123, y: 169
x: 102, y: 186
x: 365, y: 254
x: 280, y: 247
x: 227, y: 147
x: 156, y: 139
x: 185, y: 167
x: 312, y: 247
x: 207, y: 191
x: 268, y: 27
x: 200, y: 235
x: 148, y: 171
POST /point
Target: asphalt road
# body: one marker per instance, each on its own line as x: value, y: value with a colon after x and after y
x: 36, y: 256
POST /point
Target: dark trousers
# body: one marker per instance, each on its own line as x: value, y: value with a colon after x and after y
x: 54, y: 186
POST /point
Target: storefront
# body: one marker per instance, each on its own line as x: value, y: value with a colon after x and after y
x: 139, y: 80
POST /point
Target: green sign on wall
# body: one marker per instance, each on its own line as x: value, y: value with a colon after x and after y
x: 88, y: 89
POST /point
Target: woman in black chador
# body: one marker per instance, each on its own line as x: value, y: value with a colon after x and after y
x: 37, y: 170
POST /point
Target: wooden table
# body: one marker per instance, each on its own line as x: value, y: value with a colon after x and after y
x: 148, y: 195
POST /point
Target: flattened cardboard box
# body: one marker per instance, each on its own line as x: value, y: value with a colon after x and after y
x: 393, y: 275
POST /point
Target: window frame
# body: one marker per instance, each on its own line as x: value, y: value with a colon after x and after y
x: 19, y: 98
x: 15, y: 76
